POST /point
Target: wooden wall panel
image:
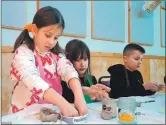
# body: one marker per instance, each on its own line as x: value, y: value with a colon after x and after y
x: 7, y: 86
x: 99, y: 65
x: 157, y: 70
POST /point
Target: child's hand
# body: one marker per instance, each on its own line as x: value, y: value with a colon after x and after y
x: 103, y: 87
x: 151, y: 86
x: 98, y: 91
x: 81, y: 106
x: 68, y: 110
x: 102, y: 94
x: 161, y: 86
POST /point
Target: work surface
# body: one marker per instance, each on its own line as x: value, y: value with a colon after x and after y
x: 149, y: 113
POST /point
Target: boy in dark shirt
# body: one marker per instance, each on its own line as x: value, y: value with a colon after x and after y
x: 126, y: 80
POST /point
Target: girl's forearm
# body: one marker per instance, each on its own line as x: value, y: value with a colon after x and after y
x: 75, y: 86
x: 53, y: 97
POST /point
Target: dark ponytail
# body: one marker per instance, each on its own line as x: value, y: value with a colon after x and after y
x: 45, y: 16
x: 24, y: 38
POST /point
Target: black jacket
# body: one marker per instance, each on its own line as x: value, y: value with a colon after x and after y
x: 119, y: 85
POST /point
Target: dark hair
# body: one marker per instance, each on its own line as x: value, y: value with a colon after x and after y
x: 132, y: 46
x: 45, y: 16
x: 78, y: 49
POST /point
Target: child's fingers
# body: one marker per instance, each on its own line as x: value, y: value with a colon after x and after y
x: 161, y: 86
x: 155, y: 84
x: 94, y: 87
x: 106, y: 96
x: 100, y: 85
x: 98, y: 92
x: 92, y: 93
x: 103, y: 87
x: 108, y: 89
x: 93, y: 97
x: 75, y: 114
x: 155, y: 87
x: 103, y: 94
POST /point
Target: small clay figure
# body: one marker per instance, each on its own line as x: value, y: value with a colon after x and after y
x: 48, y: 115
x: 109, y: 110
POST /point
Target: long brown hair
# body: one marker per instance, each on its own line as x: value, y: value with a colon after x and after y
x: 78, y: 49
x: 45, y: 16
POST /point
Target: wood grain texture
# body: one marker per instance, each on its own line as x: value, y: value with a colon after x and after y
x: 7, y: 86
x: 157, y: 71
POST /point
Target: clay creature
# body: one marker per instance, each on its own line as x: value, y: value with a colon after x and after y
x: 109, y: 110
x: 49, y: 115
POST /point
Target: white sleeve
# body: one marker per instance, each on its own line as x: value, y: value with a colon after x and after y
x: 24, y: 64
x: 65, y: 69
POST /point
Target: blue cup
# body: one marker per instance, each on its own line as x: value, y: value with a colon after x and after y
x: 126, y: 110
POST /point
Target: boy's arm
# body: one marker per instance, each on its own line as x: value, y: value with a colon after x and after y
x: 144, y: 92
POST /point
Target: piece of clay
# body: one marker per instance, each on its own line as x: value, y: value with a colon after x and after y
x: 48, y: 115
x: 109, y: 110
